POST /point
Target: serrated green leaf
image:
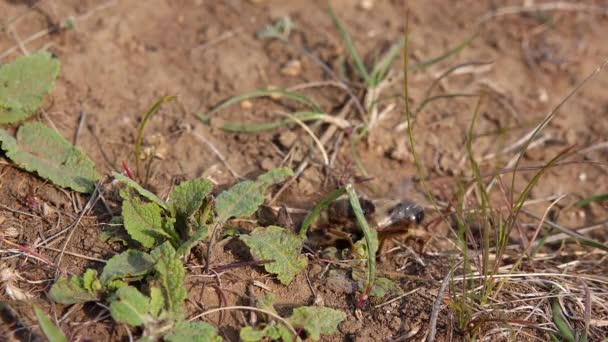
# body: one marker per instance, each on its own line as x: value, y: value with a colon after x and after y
x: 130, y: 306
x: 157, y: 301
x: 130, y: 263
x: 250, y: 334
x: 198, y: 236
x: 50, y: 330
x: 24, y: 84
x: 41, y: 149
x: 143, y: 221
x: 71, y: 291
x: 193, y: 331
x: 171, y: 274
x: 140, y: 190
x: 276, y: 243
x: 241, y: 200
x: 188, y: 197
x: 274, y: 331
x: 244, y: 198
x: 317, y: 320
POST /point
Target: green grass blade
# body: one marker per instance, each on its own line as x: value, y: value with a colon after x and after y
x: 380, y: 69
x: 50, y: 330
x: 142, y: 125
x: 243, y: 127
x: 561, y: 323
x: 359, y: 66
x: 524, y: 195
x: 445, y: 74
x: 371, y: 240
x: 593, y: 199
x: 485, y: 202
x: 296, y: 97
x: 430, y: 99
x: 578, y: 237
x: 548, y: 118
x: 447, y: 54
x: 317, y: 210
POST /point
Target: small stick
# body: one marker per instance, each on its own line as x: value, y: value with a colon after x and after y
x: 223, y: 268
x: 437, y: 306
x: 83, y: 116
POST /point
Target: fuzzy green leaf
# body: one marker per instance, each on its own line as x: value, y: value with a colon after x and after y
x: 74, y: 290
x: 317, y: 320
x: 193, y: 331
x: 274, y: 176
x: 157, y: 301
x: 274, y: 331
x: 51, y: 331
x: 130, y: 263
x: 41, y: 149
x: 188, y: 197
x: 276, y: 243
x: 24, y: 84
x: 143, y: 221
x: 241, y: 200
x: 250, y: 334
x: 383, y: 286
x: 143, y: 192
x: 244, y: 198
x: 171, y: 274
x: 130, y: 306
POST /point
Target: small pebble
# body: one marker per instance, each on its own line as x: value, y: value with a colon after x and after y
x: 274, y: 96
x: 293, y: 68
x: 267, y: 164
x: 246, y: 104
x: 582, y: 176
x: 288, y: 138
x: 366, y: 4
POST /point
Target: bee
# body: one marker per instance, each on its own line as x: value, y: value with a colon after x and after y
x: 338, y: 226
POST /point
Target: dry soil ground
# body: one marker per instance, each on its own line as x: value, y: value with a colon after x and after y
x: 121, y: 56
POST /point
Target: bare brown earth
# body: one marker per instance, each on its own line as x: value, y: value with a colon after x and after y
x: 121, y: 56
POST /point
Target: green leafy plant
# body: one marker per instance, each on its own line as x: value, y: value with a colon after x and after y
x: 144, y: 285
x: 38, y: 148
x: 313, y: 320
x: 24, y: 84
x: 41, y: 149
x: 282, y: 246
x: 366, y: 248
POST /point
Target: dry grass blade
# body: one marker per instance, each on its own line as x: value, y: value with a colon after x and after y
x: 250, y: 308
x: 548, y: 6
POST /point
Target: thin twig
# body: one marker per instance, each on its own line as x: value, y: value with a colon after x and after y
x: 83, y: 116
x: 269, y: 313
x: 437, y: 306
x: 549, y: 6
